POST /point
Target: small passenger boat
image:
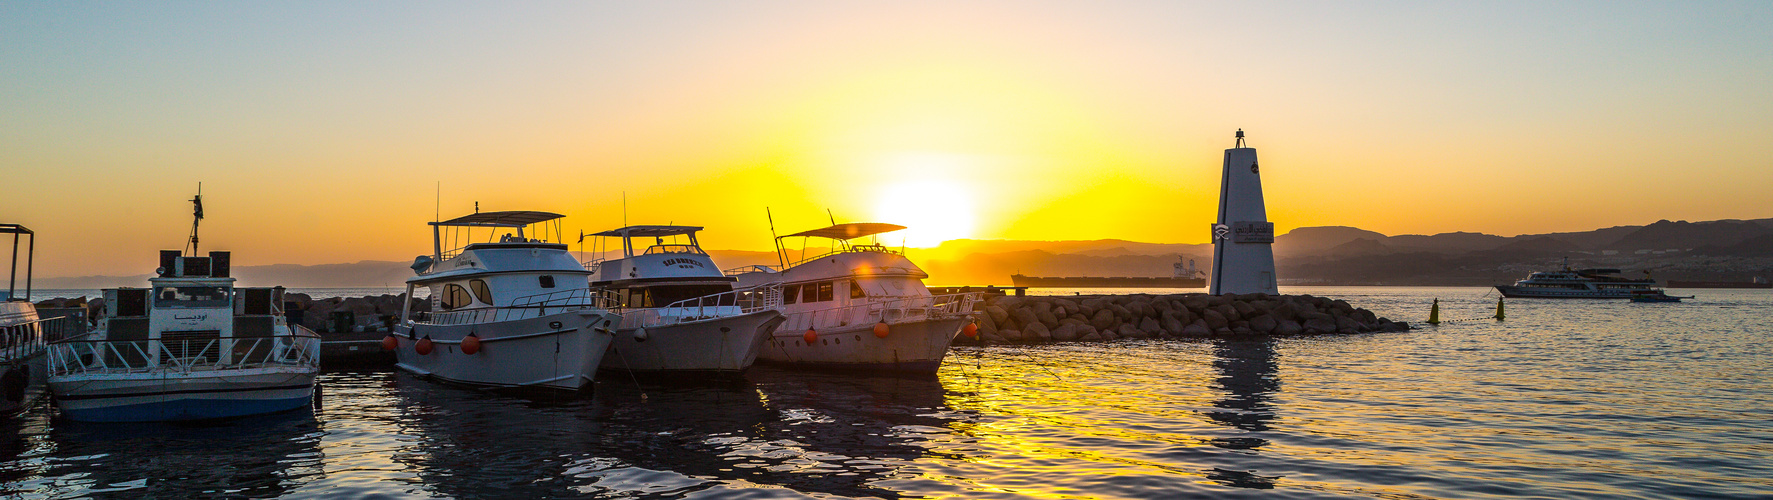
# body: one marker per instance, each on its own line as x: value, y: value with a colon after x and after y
x: 680, y: 314
x: 191, y: 346
x: 858, y: 306
x: 515, y: 312
x: 1576, y: 284
x: 1655, y: 296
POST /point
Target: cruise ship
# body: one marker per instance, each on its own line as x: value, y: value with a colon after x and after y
x: 1577, y: 284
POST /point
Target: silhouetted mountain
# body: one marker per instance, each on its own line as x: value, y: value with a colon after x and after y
x: 1359, y: 247
x: 1315, y: 240
x: 1682, y: 234
x: 1446, y: 242
x: 1759, y: 246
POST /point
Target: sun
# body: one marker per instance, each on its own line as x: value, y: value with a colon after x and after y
x: 933, y: 210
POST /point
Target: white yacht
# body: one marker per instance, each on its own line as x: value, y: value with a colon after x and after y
x: 23, y: 334
x: 514, y: 311
x: 191, y: 346
x: 679, y: 312
x: 1577, y: 284
x: 858, y: 306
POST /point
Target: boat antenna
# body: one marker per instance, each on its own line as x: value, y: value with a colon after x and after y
x: 624, y: 209
x: 833, y: 217
x: 781, y: 258
x: 197, y: 217
x: 437, y: 208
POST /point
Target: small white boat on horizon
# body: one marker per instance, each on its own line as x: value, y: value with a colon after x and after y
x: 680, y: 314
x: 512, y: 313
x: 861, y: 307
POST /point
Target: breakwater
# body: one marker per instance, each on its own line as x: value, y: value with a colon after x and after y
x: 1033, y: 319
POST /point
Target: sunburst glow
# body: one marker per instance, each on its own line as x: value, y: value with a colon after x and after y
x: 935, y: 210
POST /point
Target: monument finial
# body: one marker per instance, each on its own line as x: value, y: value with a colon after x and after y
x: 1240, y: 137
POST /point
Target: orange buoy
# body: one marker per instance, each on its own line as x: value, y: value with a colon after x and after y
x: 471, y: 344
x: 423, y: 346
x: 881, y: 330
x: 810, y: 336
x: 390, y: 343
x: 972, y: 330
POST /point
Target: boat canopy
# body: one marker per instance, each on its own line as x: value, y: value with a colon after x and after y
x: 517, y: 218
x: 649, y: 231
x: 15, y: 229
x: 848, y: 231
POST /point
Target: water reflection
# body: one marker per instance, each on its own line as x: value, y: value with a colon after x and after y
x: 1248, y: 377
x: 263, y: 456
x: 823, y: 433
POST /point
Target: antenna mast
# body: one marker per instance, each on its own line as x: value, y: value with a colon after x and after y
x: 781, y: 258
x: 197, y: 217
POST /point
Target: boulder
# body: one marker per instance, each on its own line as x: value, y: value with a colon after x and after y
x: 1242, y: 331
x: 1288, y: 327
x: 1092, y: 337
x: 1230, y: 313
x: 1196, y: 329
x: 1128, y: 331
x: 1150, y: 326
x: 1066, y: 332
x: 997, y: 313
x: 1011, y: 335
x: 1103, y: 320
x: 1024, y: 317
x: 1037, y: 332
x: 1320, y: 325
x: 1244, y: 309
x: 1346, y: 325
x: 1045, y: 315
x: 1172, y: 325
x: 1263, y: 323
x: 1215, y: 320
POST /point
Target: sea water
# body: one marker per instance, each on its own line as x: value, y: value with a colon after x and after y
x: 1564, y: 399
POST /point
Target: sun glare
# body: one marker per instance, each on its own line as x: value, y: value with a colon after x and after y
x: 934, y: 211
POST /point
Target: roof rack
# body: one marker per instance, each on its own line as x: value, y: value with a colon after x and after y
x: 515, y: 218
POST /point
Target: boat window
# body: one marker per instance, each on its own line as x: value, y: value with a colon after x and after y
x: 856, y: 291
x: 454, y: 296
x: 481, y: 290
x: 547, y: 281
x: 666, y: 295
x: 790, y: 294
x: 672, y: 248
x: 809, y: 292
x: 825, y: 291
x: 191, y: 296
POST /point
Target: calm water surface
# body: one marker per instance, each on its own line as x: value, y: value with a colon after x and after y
x: 1566, y: 399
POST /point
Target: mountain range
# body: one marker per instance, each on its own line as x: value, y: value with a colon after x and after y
x: 1332, y: 255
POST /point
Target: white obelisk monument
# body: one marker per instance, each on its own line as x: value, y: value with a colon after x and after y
x: 1243, y: 239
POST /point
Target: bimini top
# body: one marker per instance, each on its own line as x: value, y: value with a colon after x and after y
x: 517, y: 218
x: 650, y: 231
x: 15, y: 229
x: 848, y: 231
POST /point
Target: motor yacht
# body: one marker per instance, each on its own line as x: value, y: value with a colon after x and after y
x: 857, y: 306
x: 679, y: 312
x: 513, y: 311
x: 191, y: 346
x: 1577, y: 284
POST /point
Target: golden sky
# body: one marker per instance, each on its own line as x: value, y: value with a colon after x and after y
x: 322, y: 131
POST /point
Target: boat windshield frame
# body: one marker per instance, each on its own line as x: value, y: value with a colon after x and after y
x: 532, y: 227
x: 17, y: 230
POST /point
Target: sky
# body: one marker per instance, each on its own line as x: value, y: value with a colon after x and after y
x: 328, y: 132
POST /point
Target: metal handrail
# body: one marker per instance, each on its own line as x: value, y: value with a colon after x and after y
x: 747, y: 269
x: 23, y: 340
x: 848, y: 249
x: 80, y: 356
x: 720, y: 305
x: 526, y: 307
x: 891, y: 310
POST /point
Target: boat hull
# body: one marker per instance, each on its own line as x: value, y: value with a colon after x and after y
x: 557, y: 351
x: 1540, y: 293
x: 909, y: 347
x: 160, y: 396
x: 724, y: 345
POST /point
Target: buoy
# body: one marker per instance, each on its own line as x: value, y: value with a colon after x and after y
x: 881, y: 330
x: 971, y: 330
x: 810, y: 336
x: 640, y: 334
x: 423, y: 346
x: 471, y: 344
x: 1434, y: 313
x: 1499, y: 313
x: 389, y: 343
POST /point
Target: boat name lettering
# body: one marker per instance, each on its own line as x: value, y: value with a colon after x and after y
x: 199, y: 317
x: 682, y: 261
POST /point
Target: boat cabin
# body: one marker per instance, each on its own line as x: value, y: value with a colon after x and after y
x: 193, y: 308
x: 842, y: 271
x: 492, y: 260
x: 670, y: 269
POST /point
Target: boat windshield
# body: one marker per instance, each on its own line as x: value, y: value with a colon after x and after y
x: 672, y: 248
x: 190, y: 296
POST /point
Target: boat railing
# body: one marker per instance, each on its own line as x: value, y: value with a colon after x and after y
x: 732, y: 303
x: 81, y: 356
x: 848, y: 249
x: 748, y: 269
x: 23, y: 340
x: 526, y: 307
x: 891, y: 310
x: 593, y: 264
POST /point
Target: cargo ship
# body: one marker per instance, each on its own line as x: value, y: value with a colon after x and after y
x: 1758, y: 282
x: 1183, y: 277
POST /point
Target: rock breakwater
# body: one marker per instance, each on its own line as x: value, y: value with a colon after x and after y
x: 1007, y: 319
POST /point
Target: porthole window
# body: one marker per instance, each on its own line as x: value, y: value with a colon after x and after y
x: 481, y: 290
x: 547, y: 281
